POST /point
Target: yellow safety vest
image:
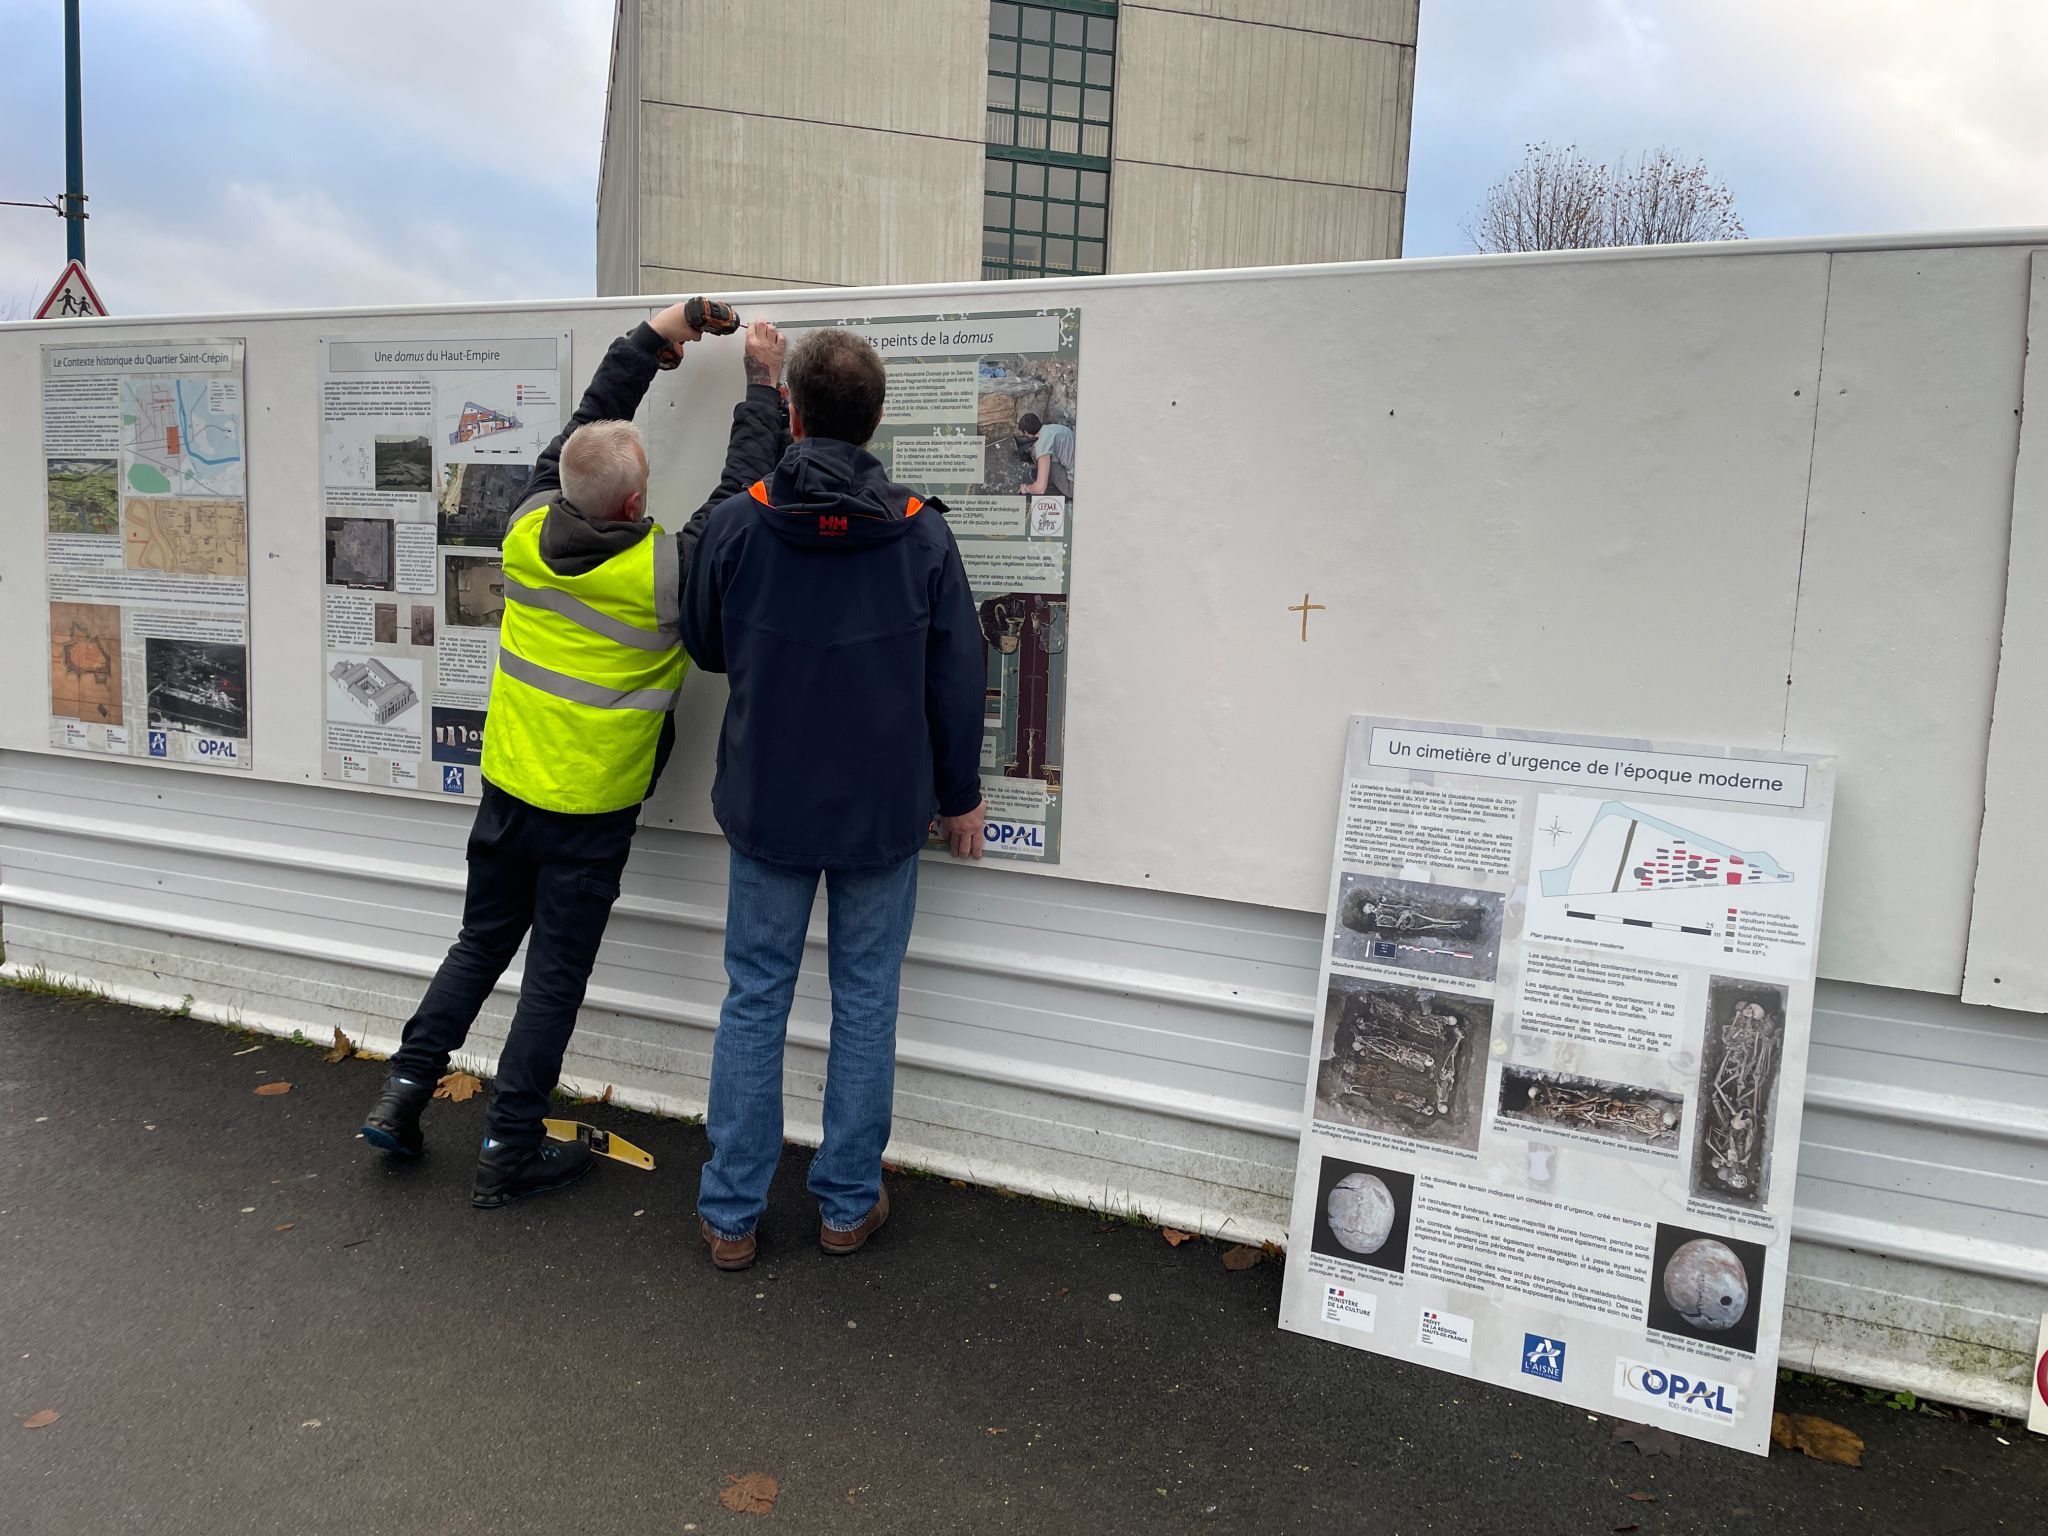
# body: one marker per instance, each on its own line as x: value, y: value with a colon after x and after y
x: 588, y: 669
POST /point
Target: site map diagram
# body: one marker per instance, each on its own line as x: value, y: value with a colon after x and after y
x: 181, y: 436
x: 186, y: 538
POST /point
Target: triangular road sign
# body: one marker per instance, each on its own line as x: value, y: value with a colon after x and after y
x: 72, y: 297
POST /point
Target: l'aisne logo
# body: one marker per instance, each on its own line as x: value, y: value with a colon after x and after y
x: 830, y: 526
x: 1543, y: 1357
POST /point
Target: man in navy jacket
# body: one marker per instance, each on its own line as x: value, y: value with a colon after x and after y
x: 836, y: 603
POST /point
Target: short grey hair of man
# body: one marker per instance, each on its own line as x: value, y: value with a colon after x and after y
x: 603, y: 464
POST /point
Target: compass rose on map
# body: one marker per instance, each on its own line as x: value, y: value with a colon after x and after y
x: 1555, y: 830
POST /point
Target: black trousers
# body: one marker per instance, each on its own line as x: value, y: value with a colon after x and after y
x: 554, y: 874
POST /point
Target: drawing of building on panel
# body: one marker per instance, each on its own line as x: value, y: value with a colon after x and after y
x: 378, y: 691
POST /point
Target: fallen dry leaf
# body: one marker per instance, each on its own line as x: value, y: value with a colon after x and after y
x: 343, y: 1048
x: 459, y: 1087
x: 1242, y: 1257
x: 753, y: 1494
x: 42, y: 1420
x: 1063, y: 1291
x: 272, y: 1090
x: 1822, y: 1439
x: 957, y: 1183
x: 284, y: 1226
x: 608, y: 1087
x: 1644, y: 1498
x: 1623, y: 1530
x: 994, y: 1431
x: 1174, y: 1237
x: 1646, y: 1438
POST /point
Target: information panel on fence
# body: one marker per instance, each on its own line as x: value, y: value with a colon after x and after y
x: 148, y: 550
x: 981, y: 413
x: 1553, y: 1108
x: 425, y: 445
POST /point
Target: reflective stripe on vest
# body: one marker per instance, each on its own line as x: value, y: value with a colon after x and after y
x: 588, y: 669
x: 576, y: 611
x: 577, y: 691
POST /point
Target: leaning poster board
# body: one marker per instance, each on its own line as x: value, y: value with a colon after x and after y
x: 425, y: 446
x: 147, y: 550
x: 964, y: 390
x: 1553, y: 1109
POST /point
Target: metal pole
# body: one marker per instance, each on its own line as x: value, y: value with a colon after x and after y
x: 74, y: 140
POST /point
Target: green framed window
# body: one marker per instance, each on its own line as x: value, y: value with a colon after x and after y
x: 1051, y: 81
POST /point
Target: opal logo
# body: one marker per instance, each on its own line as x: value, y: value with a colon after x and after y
x: 159, y: 743
x: 213, y: 747
x: 1020, y: 837
x: 452, y: 781
x: 1693, y: 1395
x: 1542, y: 1357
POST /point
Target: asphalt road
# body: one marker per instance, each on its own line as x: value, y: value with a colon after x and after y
x: 252, y: 1323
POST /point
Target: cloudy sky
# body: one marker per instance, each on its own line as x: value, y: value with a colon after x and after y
x: 267, y: 153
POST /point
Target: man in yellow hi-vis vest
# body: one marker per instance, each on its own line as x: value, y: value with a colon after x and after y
x: 580, y: 724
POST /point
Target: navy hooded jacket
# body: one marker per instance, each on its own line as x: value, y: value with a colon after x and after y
x: 836, y: 603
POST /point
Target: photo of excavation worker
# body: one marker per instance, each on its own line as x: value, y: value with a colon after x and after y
x: 1404, y: 1061
x: 1049, y: 445
x: 1740, y: 1057
x: 1025, y: 409
x: 1441, y: 929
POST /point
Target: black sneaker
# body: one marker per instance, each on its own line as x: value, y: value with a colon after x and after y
x: 505, y: 1174
x: 393, y: 1122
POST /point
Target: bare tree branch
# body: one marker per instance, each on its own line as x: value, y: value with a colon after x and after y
x: 1558, y: 200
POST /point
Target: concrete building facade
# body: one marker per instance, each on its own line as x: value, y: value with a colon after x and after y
x: 810, y: 143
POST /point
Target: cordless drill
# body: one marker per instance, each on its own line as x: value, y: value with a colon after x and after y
x: 706, y: 316
x: 711, y: 317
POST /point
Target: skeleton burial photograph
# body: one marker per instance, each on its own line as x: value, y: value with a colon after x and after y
x: 1617, y: 1112
x: 1440, y: 929
x: 1404, y: 1061
x: 1737, y: 1102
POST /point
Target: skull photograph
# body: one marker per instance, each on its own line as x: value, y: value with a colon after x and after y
x: 1706, y: 1286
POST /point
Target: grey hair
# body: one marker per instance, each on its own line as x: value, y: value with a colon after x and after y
x: 603, y: 464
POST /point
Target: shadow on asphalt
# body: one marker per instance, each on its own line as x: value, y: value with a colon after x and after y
x: 252, y: 1322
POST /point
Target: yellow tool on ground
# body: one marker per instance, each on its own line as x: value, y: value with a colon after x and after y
x: 602, y: 1143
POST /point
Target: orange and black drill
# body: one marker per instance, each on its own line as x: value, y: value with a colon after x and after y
x: 706, y: 316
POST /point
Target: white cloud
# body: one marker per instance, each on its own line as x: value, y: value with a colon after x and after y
x: 255, y: 247
x: 515, y: 86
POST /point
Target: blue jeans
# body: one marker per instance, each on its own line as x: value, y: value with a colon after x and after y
x: 867, y: 932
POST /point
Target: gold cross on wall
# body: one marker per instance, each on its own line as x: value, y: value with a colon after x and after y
x: 1304, y: 609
